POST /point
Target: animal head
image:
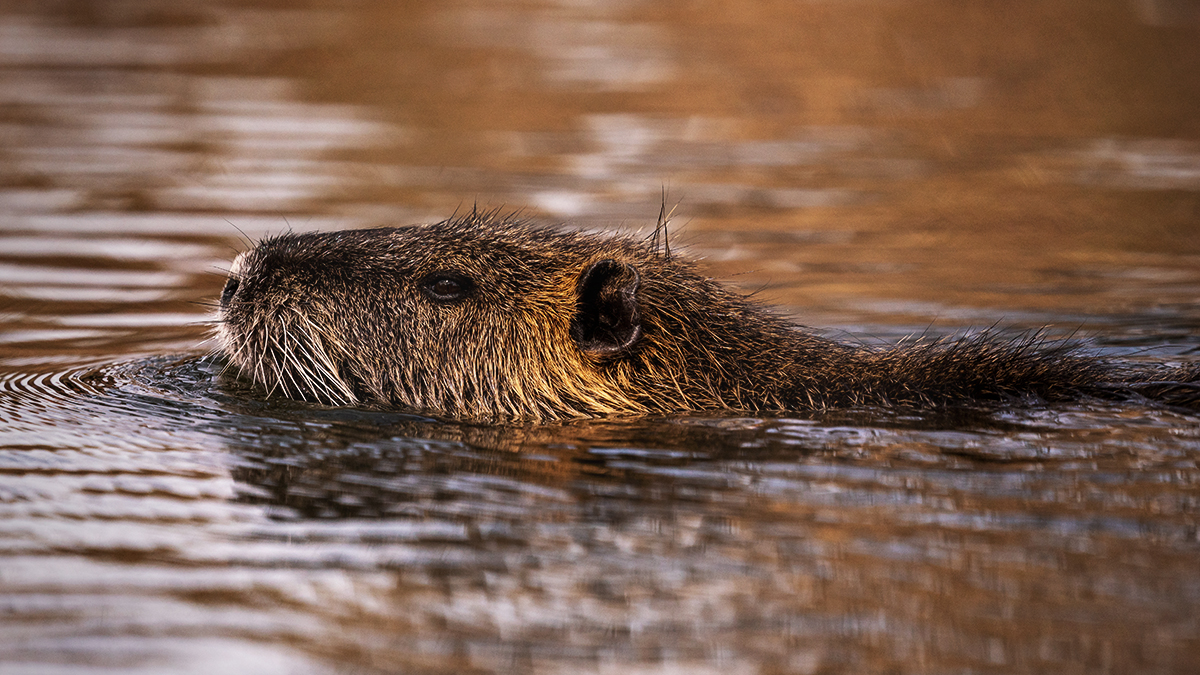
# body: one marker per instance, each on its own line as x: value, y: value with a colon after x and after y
x: 476, y: 317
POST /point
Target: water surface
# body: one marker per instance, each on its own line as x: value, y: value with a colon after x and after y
x: 876, y: 169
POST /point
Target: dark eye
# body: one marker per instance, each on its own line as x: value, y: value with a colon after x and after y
x: 231, y: 287
x: 446, y: 286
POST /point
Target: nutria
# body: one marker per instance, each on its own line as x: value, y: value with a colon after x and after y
x: 484, y: 316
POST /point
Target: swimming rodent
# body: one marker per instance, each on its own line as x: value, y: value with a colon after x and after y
x: 484, y: 316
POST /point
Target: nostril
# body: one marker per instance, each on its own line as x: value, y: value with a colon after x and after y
x: 231, y: 287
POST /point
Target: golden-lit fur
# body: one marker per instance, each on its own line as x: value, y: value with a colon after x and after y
x: 546, y: 324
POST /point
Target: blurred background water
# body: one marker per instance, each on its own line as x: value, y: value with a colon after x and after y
x: 875, y: 167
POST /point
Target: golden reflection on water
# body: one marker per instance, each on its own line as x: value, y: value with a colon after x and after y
x: 885, y: 166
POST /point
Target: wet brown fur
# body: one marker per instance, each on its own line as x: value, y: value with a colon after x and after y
x: 344, y: 318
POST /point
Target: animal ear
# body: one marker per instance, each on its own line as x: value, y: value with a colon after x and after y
x: 607, y: 320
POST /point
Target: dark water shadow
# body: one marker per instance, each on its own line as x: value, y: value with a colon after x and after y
x: 310, y: 461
